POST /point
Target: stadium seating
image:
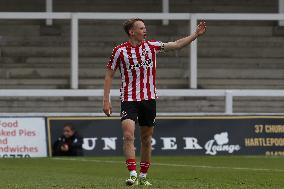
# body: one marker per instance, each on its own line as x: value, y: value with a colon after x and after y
x: 232, y: 55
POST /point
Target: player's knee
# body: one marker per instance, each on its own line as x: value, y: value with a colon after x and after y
x: 128, y: 137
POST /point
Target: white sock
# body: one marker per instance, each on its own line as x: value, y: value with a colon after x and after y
x: 143, y: 175
x: 133, y: 173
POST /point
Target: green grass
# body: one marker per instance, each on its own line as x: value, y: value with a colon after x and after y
x: 169, y: 172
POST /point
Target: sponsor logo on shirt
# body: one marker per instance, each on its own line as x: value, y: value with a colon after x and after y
x: 146, y: 64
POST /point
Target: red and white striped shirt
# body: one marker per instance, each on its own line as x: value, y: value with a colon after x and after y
x: 137, y: 67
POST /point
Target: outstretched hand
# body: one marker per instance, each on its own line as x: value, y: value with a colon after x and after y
x: 201, y: 28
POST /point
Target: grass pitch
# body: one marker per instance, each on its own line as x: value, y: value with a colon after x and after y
x: 191, y: 172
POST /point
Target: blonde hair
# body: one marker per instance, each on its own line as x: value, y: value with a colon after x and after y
x: 128, y: 24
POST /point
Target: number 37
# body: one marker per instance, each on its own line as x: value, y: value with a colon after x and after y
x: 258, y: 128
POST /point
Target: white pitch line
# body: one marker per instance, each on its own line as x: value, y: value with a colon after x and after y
x: 175, y: 165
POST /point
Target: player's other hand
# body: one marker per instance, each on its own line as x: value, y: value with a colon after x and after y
x: 107, y: 108
x: 201, y: 28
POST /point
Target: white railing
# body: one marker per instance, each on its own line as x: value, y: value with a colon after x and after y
x: 75, y: 17
x: 228, y: 94
x: 49, y: 9
x: 281, y: 10
x: 166, y: 9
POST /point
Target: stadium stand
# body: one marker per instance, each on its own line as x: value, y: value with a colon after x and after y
x: 232, y: 55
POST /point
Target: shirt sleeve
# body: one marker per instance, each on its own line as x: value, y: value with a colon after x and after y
x: 114, y: 59
x: 158, y: 45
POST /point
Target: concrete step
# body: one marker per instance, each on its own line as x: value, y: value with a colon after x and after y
x: 75, y: 109
x: 258, y: 99
x: 176, y: 29
x: 206, y: 52
x: 164, y: 62
x: 81, y: 102
x: 84, y: 72
x: 262, y: 105
x: 178, y: 105
x: 238, y: 52
x: 84, y: 62
x: 179, y: 29
x: 19, y: 6
x: 161, y: 84
x: 100, y: 40
x: 109, y: 6
x: 176, y: 6
x: 137, y: 6
x: 249, y: 6
x: 161, y: 100
x: 167, y: 63
x: 98, y: 110
x: 241, y: 83
x: 19, y: 51
x: 241, y: 73
x: 239, y: 86
x: 96, y: 106
x: 242, y: 41
x: 214, y: 73
x: 55, y: 83
x: 95, y: 42
x: 216, y: 62
x: 22, y: 30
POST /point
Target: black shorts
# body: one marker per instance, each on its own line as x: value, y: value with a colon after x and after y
x: 144, y: 110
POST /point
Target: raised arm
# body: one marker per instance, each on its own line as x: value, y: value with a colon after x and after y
x: 180, y: 43
x: 107, y: 85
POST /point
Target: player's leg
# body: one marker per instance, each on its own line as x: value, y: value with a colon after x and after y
x: 146, y: 140
x: 146, y: 149
x: 128, y: 118
x: 128, y: 128
x: 146, y: 118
